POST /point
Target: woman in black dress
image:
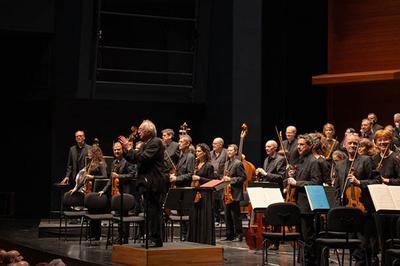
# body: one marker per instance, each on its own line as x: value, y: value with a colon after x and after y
x: 201, y: 218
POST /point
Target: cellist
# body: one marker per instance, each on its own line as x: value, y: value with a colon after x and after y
x: 124, y: 172
x: 308, y: 172
x: 356, y: 172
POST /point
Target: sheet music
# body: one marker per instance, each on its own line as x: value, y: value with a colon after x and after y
x: 261, y: 198
x: 385, y: 197
x: 317, y: 197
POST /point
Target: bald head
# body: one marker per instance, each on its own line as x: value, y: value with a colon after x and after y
x: 270, y: 147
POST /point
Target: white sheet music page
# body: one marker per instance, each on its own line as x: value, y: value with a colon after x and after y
x: 261, y: 198
x: 385, y: 197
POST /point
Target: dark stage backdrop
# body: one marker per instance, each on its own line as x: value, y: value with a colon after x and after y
x: 47, y: 79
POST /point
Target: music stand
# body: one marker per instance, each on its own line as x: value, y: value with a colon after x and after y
x: 180, y: 199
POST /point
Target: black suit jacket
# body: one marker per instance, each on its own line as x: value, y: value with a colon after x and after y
x: 126, y: 174
x: 308, y: 173
x: 275, y: 168
x: 75, y: 163
x: 150, y: 165
x: 292, y: 150
x: 185, y: 169
x: 237, y: 174
x: 363, y: 172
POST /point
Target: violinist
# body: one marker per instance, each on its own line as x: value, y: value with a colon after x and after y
x: 184, y: 172
x: 124, y: 172
x: 218, y: 159
x: 235, y: 175
x: 318, y: 140
x: 85, y: 182
x: 201, y: 226
x: 385, y: 162
x: 356, y: 172
x: 308, y: 173
x: 330, y: 144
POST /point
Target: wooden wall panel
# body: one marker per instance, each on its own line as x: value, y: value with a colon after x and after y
x: 363, y: 35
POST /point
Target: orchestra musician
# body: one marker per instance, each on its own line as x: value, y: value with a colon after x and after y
x: 218, y: 159
x: 184, y: 172
x: 171, y: 146
x: 330, y: 144
x: 374, y: 121
x: 290, y: 144
x: 273, y: 170
x: 274, y: 165
x: 359, y: 176
x: 124, y: 172
x: 85, y: 181
x: 308, y: 173
x: 150, y: 176
x: 235, y: 175
x: 366, y: 129
x: 76, y: 158
x: 201, y: 228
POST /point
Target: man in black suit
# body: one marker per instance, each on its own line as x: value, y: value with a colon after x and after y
x: 151, y: 177
x: 374, y: 121
x: 307, y: 172
x: 235, y: 175
x: 274, y: 165
x: 290, y: 144
x: 171, y: 146
x: 76, y: 158
x: 125, y: 173
x: 360, y: 176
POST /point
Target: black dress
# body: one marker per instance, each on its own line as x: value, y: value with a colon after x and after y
x: 201, y: 219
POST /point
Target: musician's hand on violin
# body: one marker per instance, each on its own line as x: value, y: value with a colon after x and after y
x: 89, y: 177
x: 384, y: 180
x: 101, y: 193
x: 195, y: 177
x: 261, y: 171
x: 65, y: 180
x: 172, y: 178
x: 73, y: 191
x: 291, y: 181
x: 352, y: 179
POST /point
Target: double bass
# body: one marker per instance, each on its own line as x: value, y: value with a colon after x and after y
x: 249, y: 168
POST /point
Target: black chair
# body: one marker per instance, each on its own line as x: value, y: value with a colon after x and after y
x: 341, y: 220
x: 391, y: 253
x: 128, y: 217
x: 282, y: 216
x: 98, y: 210
x: 73, y: 208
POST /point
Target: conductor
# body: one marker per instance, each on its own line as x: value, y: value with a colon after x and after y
x: 150, y: 180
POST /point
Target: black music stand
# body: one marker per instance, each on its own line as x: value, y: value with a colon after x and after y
x: 180, y: 199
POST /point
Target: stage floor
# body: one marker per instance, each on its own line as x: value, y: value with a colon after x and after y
x: 23, y: 235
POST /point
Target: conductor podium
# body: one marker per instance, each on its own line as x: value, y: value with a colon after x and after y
x: 204, y: 252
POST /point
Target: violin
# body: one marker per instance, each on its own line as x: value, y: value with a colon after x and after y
x: 115, y: 181
x: 291, y: 190
x: 354, y: 193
